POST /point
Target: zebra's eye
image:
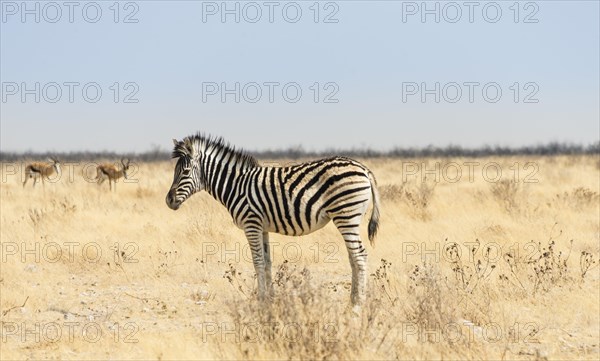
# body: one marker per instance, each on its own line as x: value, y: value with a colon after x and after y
x: 186, y: 171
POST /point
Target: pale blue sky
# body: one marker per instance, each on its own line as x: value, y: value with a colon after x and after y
x: 369, y: 53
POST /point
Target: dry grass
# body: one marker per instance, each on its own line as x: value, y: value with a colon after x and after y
x: 463, y: 269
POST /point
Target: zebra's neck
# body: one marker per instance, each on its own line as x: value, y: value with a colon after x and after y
x: 222, y: 168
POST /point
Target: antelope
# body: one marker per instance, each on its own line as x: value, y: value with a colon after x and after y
x: 42, y: 170
x: 112, y: 172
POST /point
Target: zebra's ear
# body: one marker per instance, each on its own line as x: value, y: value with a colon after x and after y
x: 188, y: 146
x: 175, y: 142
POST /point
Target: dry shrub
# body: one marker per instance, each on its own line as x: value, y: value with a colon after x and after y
x: 300, y: 321
x: 419, y: 199
x: 579, y: 197
x: 55, y: 208
x: 469, y: 274
x: 428, y: 306
x: 505, y: 192
x: 433, y: 304
x: 544, y: 267
x: 383, y: 283
x: 417, y: 313
x: 416, y: 196
x: 392, y: 192
x: 550, y: 267
x: 36, y: 215
x: 586, y: 263
x: 303, y: 322
x: 239, y: 282
x: 64, y: 206
x: 166, y: 260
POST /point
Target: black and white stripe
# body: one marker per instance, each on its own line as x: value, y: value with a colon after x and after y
x: 294, y: 200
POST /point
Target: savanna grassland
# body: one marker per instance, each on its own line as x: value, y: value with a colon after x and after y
x: 466, y: 266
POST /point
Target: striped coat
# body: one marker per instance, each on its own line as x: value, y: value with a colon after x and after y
x: 294, y: 200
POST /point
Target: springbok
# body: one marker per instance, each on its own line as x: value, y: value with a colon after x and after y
x: 112, y: 172
x: 42, y: 170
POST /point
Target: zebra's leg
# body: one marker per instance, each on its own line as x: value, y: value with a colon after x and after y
x: 26, y: 179
x: 357, y: 254
x: 267, y: 253
x: 255, y: 240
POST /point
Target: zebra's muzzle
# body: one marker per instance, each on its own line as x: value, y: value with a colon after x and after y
x: 172, y: 202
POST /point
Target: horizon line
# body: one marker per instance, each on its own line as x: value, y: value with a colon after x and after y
x: 298, y: 151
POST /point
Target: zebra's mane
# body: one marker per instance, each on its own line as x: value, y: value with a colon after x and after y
x: 212, y: 145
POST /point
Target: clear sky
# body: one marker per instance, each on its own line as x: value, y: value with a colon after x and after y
x: 376, y: 64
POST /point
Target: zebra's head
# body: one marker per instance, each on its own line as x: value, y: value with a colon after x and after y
x: 188, y: 177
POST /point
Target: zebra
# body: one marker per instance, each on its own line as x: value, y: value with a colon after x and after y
x: 293, y: 200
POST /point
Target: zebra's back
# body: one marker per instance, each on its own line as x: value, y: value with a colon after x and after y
x: 301, y: 199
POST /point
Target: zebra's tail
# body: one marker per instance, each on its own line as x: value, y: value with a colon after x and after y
x: 374, y: 221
